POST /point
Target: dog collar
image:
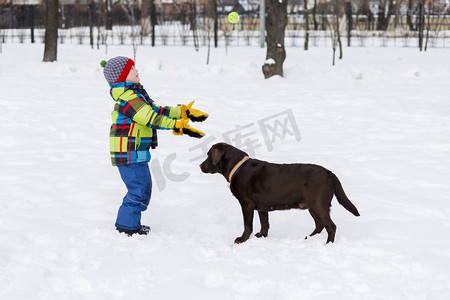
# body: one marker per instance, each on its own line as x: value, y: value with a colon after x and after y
x: 236, y: 167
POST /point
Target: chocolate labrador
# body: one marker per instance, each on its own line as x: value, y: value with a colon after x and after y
x: 264, y: 186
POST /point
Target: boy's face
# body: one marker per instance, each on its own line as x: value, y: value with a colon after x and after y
x: 133, y: 76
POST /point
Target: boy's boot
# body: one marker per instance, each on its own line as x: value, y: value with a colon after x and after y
x: 144, y: 230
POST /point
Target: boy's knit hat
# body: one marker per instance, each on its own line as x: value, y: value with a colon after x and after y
x: 116, y: 69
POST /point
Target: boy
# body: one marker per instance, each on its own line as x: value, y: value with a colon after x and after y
x: 136, y: 119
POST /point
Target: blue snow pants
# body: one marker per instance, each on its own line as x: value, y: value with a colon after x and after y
x: 138, y: 181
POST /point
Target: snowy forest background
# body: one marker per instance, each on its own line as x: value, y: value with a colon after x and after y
x: 401, y: 23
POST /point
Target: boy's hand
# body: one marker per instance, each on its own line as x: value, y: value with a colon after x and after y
x: 182, y: 127
x: 195, y: 115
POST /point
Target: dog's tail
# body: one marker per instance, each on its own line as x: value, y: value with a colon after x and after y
x: 342, y: 197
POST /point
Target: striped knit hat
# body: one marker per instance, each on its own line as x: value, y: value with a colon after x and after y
x: 116, y: 69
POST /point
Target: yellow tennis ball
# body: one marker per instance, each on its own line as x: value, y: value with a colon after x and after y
x: 233, y: 17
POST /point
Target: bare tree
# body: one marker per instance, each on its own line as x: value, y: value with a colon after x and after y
x: 145, y: 17
x: 305, y: 47
x: 316, y: 24
x: 335, y: 33
x: 421, y: 22
x: 128, y: 7
x: 409, y: 15
x: 108, y: 15
x: 348, y: 13
x: 51, y: 30
x: 91, y: 13
x: 276, y: 21
x: 211, y: 24
x: 428, y: 24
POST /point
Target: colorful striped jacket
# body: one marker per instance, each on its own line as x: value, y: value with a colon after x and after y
x: 135, y: 120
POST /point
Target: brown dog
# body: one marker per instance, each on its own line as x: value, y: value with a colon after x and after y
x: 263, y: 186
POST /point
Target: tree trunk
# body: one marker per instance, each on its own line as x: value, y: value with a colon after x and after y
x: 153, y: 20
x: 32, y: 22
x: 391, y: 11
x: 91, y: 22
x: 337, y: 32
x: 108, y: 15
x: 276, y: 21
x: 348, y: 12
x: 421, y: 23
x: 383, y: 16
x: 145, y: 17
x: 381, y: 21
x: 194, y: 24
x: 397, y: 13
x: 306, y: 26
x: 51, y: 30
x: 409, y: 16
x: 211, y: 13
x: 428, y: 25
x: 316, y: 25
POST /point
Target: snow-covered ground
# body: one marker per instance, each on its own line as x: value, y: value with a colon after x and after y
x: 379, y: 119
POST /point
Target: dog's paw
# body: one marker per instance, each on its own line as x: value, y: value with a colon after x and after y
x: 260, y: 235
x: 240, y: 240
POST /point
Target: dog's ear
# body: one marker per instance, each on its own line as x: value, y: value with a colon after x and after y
x: 216, y: 155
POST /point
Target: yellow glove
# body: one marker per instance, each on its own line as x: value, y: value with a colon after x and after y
x: 182, y: 127
x: 195, y: 115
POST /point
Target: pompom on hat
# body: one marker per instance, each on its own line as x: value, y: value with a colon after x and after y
x: 116, y: 69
